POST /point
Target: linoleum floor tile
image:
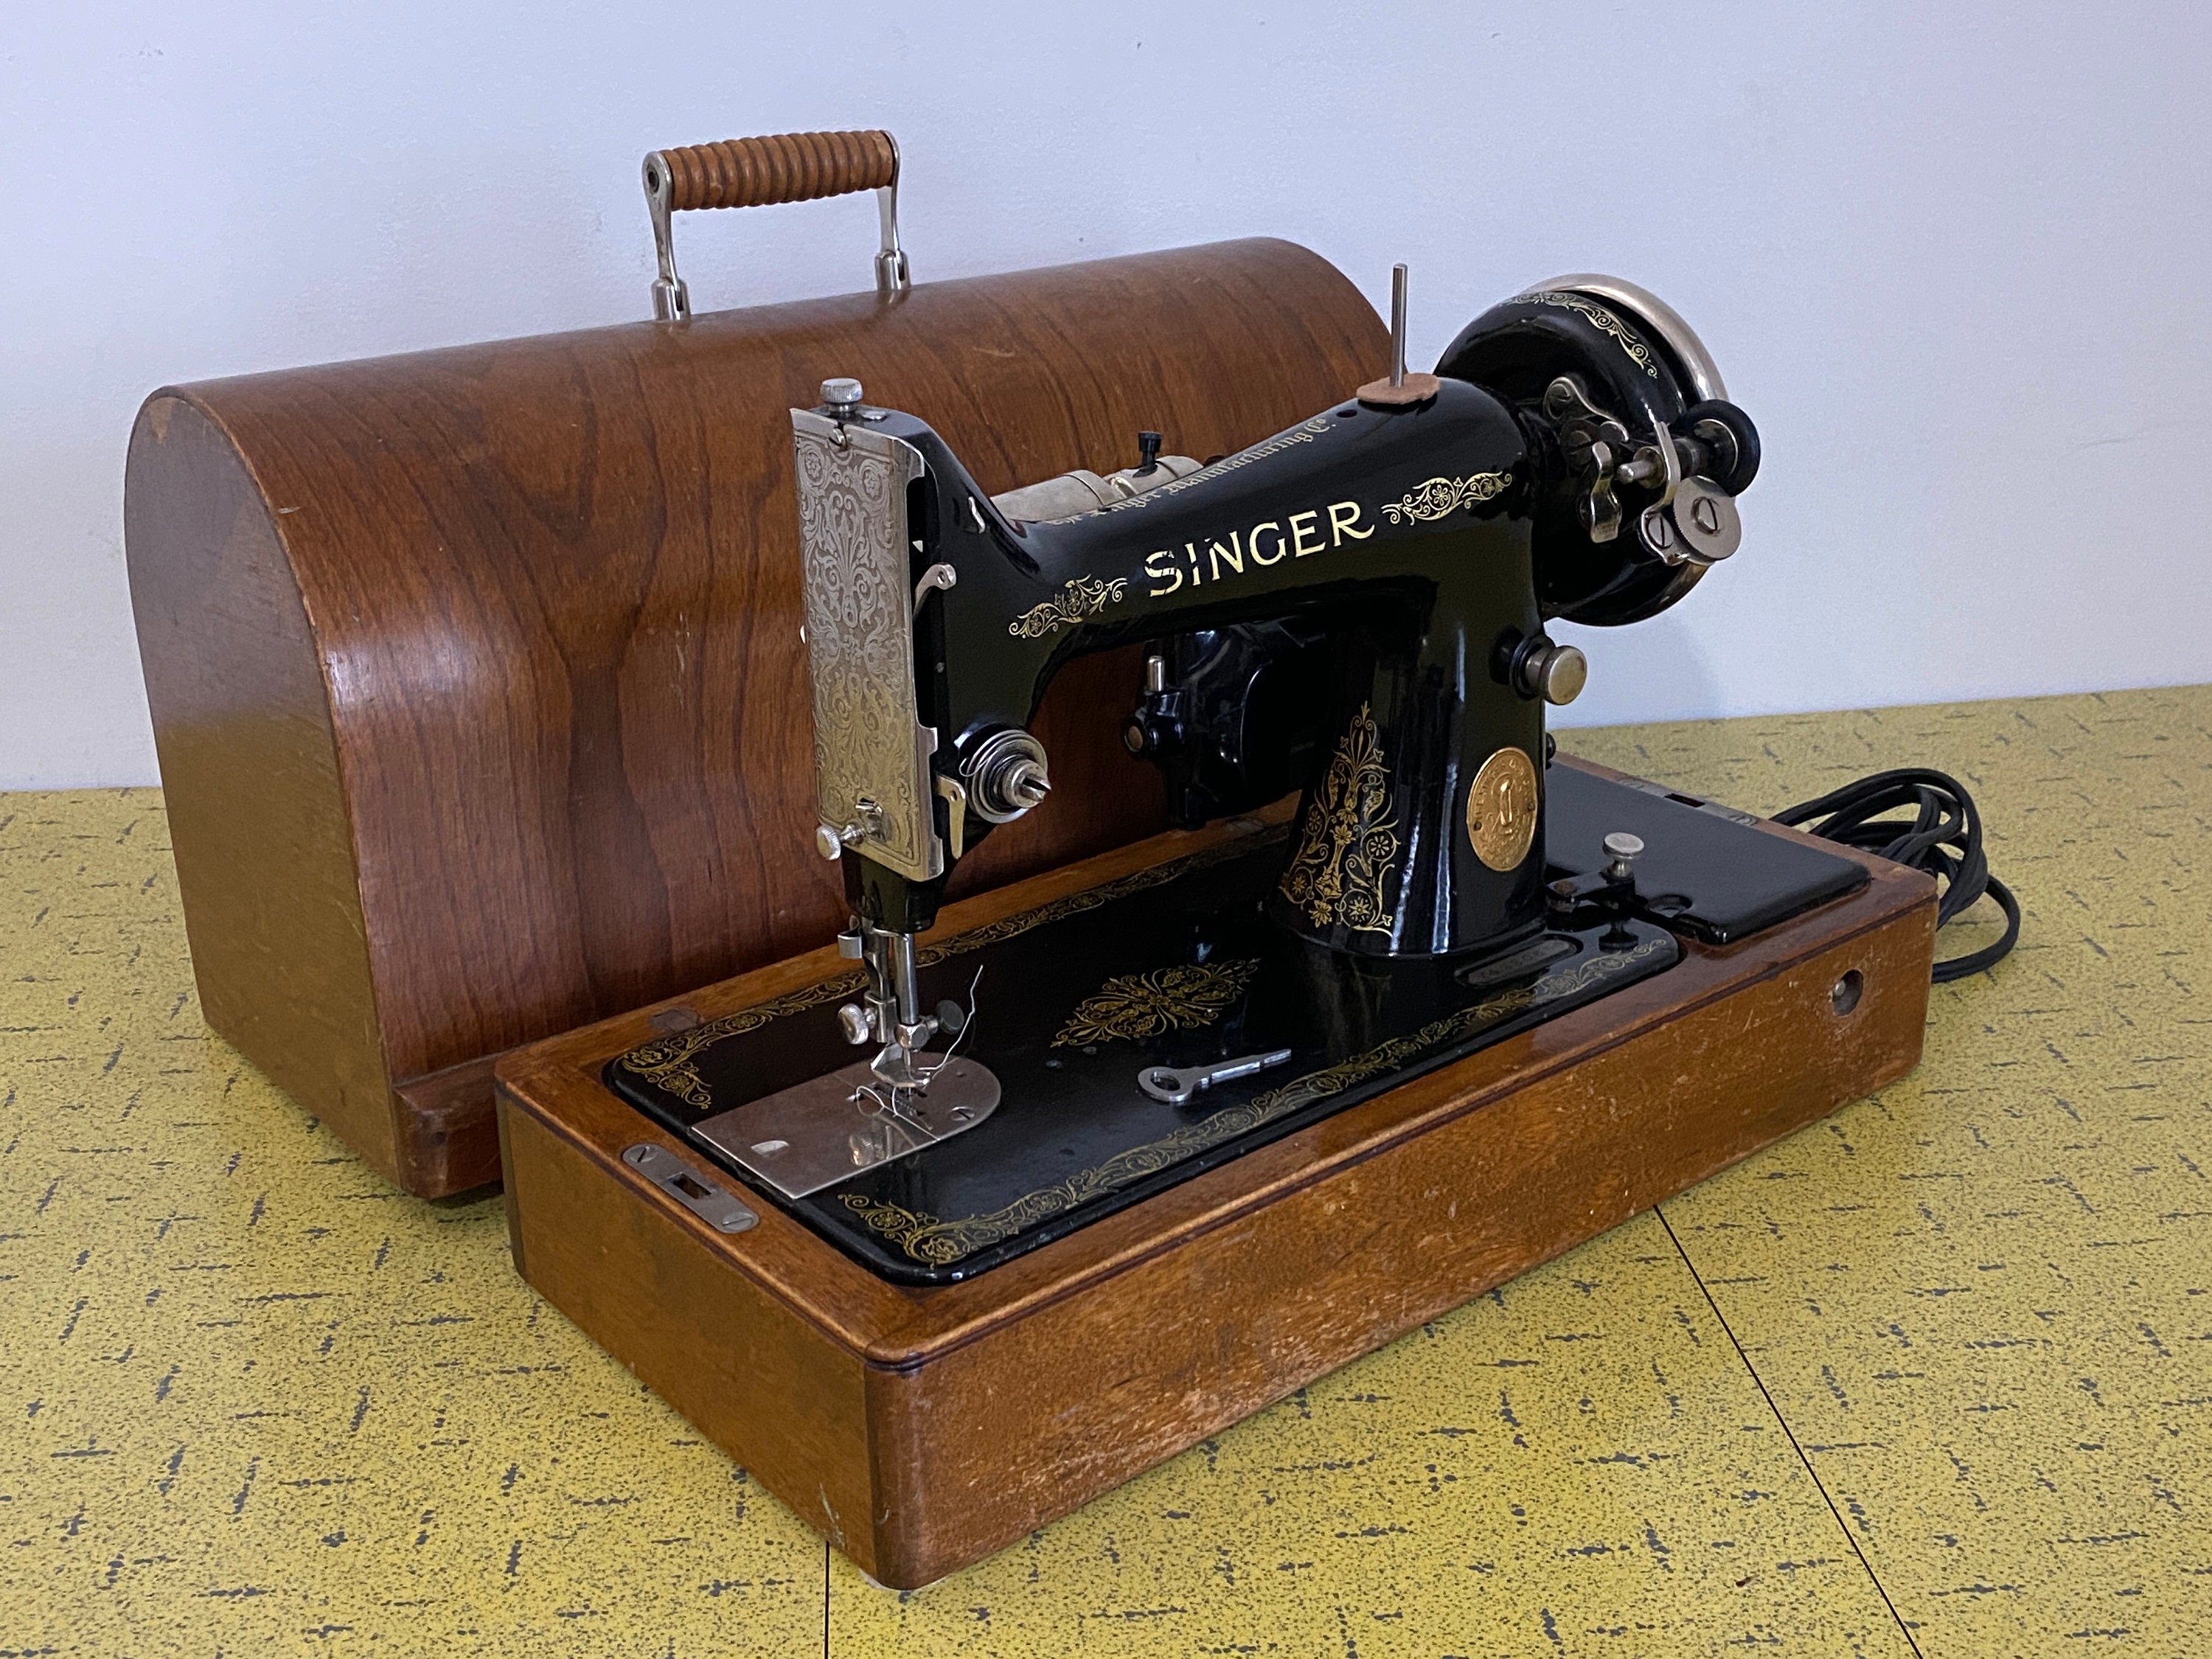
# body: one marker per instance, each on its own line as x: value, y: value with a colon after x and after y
x: 1984, y: 1300
x: 1577, y: 1464
x: 259, y: 1402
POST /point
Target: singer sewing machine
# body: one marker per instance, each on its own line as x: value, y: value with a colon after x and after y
x: 1012, y: 1197
x: 1353, y: 609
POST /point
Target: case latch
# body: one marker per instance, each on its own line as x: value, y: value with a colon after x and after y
x: 716, y: 1205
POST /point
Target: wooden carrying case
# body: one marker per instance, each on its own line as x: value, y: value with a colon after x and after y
x: 476, y: 674
x: 919, y: 1429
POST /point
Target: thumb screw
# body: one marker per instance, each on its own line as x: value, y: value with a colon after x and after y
x: 1622, y: 849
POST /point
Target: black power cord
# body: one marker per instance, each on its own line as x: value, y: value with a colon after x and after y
x: 1944, y: 838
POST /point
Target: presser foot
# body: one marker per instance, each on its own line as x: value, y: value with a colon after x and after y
x: 830, y: 1128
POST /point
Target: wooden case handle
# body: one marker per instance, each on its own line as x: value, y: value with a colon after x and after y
x: 788, y: 167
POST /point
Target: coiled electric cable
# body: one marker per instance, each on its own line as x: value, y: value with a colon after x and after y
x: 1943, y: 837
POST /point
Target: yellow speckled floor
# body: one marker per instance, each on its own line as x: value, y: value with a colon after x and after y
x: 1932, y: 1378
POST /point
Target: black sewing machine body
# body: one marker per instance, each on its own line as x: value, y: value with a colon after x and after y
x: 1354, y: 608
x: 1399, y: 537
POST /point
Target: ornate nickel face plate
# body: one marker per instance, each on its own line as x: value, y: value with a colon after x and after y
x: 871, y: 751
x: 1501, y: 809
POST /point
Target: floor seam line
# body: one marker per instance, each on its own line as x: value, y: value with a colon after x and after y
x: 1760, y: 1382
x: 825, y: 1599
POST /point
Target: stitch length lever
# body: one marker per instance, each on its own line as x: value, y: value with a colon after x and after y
x: 1176, y: 1085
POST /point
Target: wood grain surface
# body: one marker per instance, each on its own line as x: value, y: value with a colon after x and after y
x: 476, y: 674
x: 1200, y: 1306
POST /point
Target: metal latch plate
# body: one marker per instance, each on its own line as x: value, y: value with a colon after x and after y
x: 718, y: 1206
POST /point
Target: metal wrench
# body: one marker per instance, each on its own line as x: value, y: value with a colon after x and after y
x: 1176, y: 1085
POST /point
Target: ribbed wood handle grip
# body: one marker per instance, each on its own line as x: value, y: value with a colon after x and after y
x: 787, y: 167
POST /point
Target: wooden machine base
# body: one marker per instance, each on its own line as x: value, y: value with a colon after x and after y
x: 920, y: 1429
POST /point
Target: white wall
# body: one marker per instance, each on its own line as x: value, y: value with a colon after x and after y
x: 1958, y: 267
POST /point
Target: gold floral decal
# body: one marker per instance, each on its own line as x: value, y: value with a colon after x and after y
x: 1351, y: 842
x: 1080, y: 597
x: 670, y: 1063
x: 1440, y: 496
x: 925, y: 1238
x: 1129, y: 1006
x: 1605, y: 322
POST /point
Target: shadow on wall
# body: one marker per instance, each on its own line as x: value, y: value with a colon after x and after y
x: 1654, y: 671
